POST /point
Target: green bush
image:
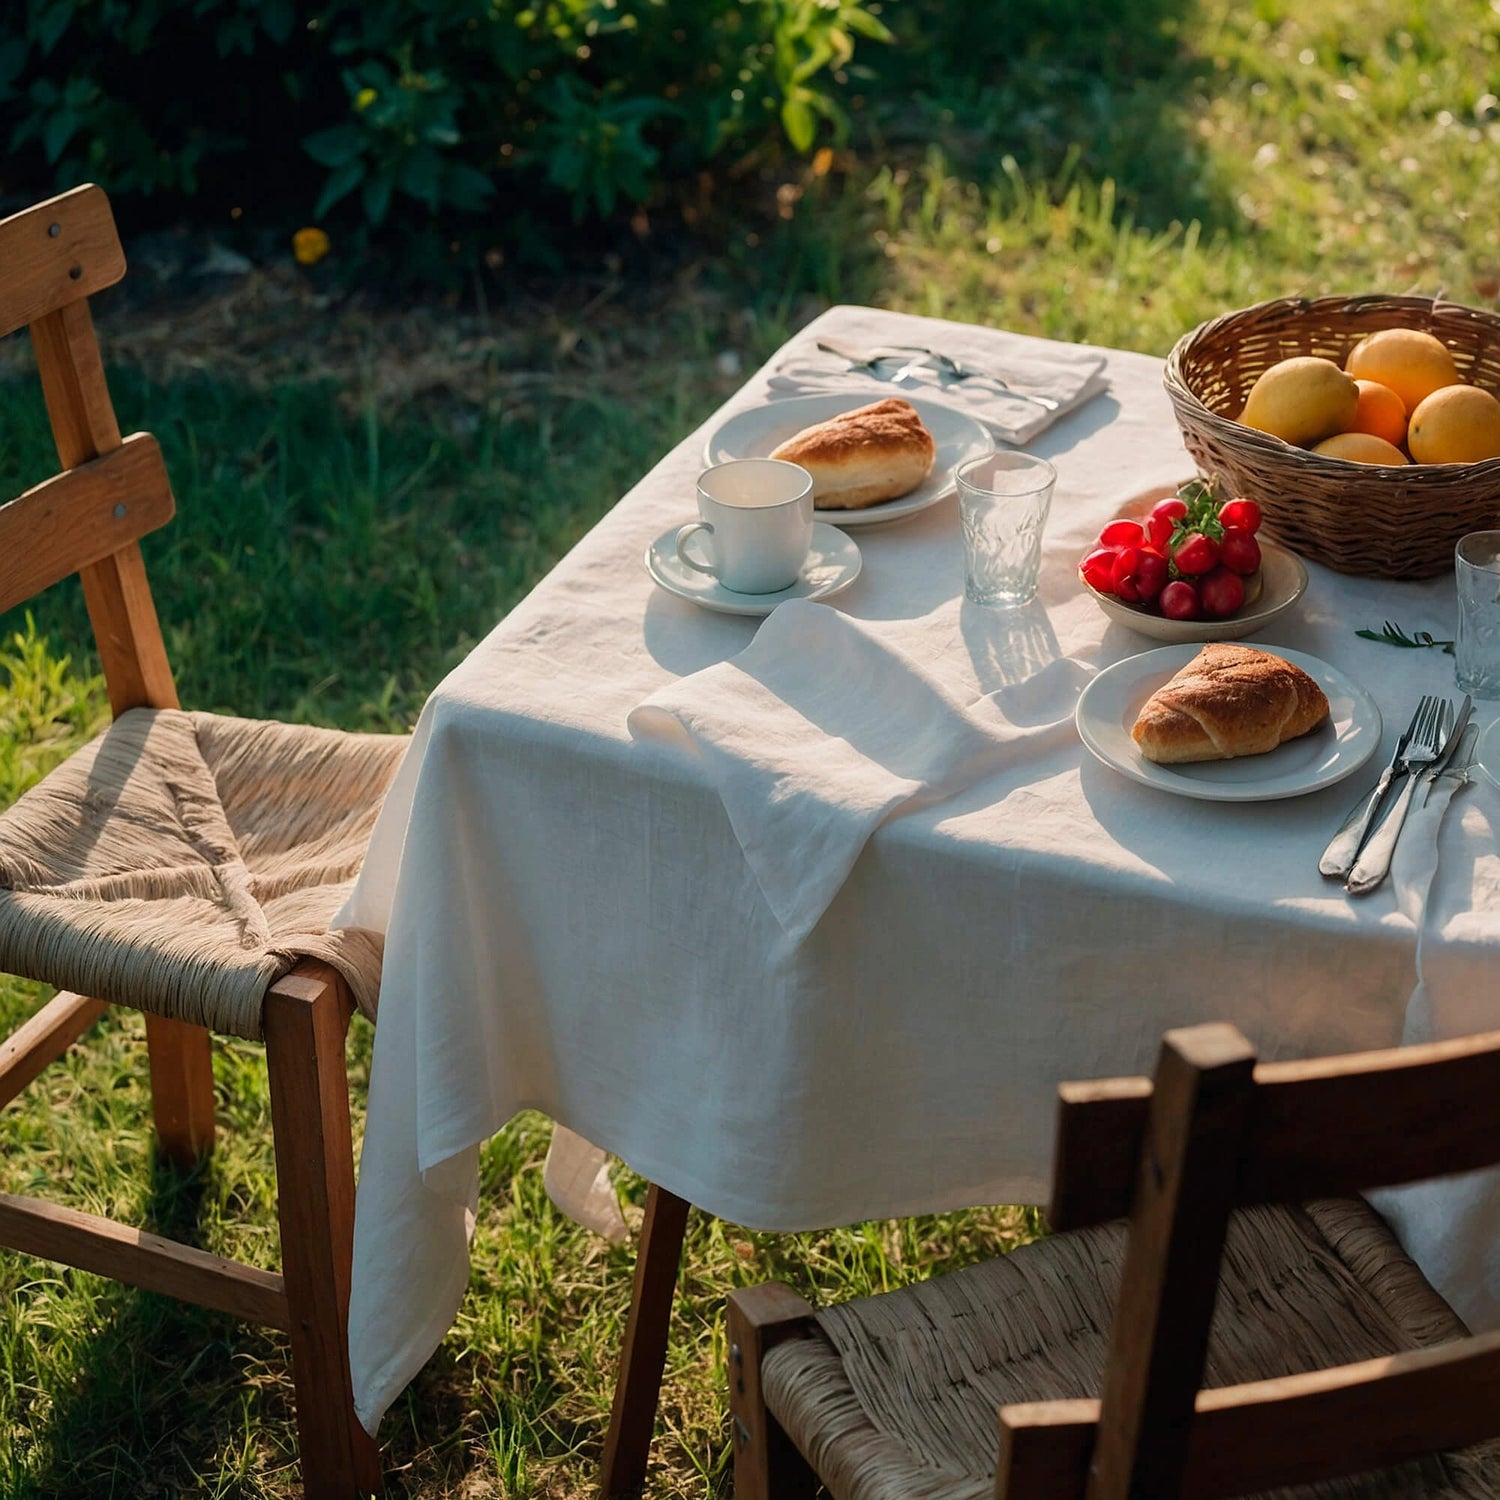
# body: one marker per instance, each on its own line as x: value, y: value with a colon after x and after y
x: 442, y: 107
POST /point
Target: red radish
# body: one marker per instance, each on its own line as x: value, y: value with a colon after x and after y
x: 1244, y: 514
x: 1122, y: 534
x: 1222, y: 593
x: 1239, y: 551
x: 1098, y: 569
x: 1150, y: 575
x: 1162, y: 521
x: 1179, y: 600
x: 1123, y: 574
x: 1196, y: 554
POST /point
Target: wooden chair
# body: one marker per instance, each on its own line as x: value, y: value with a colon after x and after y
x: 1092, y: 1345
x: 185, y: 865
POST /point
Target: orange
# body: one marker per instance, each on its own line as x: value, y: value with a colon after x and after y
x: 1380, y: 412
x: 1412, y: 363
x: 1459, y: 424
x: 1360, y: 448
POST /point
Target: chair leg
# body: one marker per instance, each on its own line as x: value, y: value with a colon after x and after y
x: 182, y: 1088
x: 767, y: 1465
x: 632, y: 1420
x: 306, y: 1018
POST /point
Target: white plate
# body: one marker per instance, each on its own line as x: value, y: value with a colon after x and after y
x: 1283, y: 581
x: 833, y: 563
x: 755, y: 433
x: 1108, y: 706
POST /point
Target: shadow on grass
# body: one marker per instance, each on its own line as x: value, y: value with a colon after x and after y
x: 999, y: 109
x: 1108, y: 81
x: 163, y: 1398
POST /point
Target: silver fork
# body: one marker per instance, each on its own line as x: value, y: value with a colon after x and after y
x: 1343, y: 849
x: 1426, y: 744
x: 947, y: 366
x: 962, y: 371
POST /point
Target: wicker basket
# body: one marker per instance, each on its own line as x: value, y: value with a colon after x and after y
x: 1375, y: 520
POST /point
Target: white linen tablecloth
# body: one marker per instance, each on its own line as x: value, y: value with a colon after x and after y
x: 571, y: 925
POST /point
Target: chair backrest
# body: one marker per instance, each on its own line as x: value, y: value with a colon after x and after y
x: 88, y: 519
x: 1212, y: 1133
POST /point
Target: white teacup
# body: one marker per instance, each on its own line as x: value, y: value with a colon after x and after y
x: 758, y: 517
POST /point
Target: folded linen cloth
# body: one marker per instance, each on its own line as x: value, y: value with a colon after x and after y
x: 1450, y: 1225
x: 576, y: 1176
x: 819, y: 731
x: 1066, y: 374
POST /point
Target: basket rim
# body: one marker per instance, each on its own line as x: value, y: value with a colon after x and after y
x: 1189, y: 403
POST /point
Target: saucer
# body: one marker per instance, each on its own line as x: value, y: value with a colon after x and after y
x: 832, y: 564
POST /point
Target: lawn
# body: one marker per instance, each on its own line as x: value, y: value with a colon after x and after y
x: 365, y: 488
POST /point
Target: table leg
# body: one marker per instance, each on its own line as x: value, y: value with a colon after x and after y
x: 644, y: 1355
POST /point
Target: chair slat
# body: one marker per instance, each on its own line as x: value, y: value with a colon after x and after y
x: 1294, y: 1430
x: 81, y: 517
x: 146, y: 1260
x: 1100, y: 1127
x: 57, y: 253
x: 1045, y: 1448
x: 1345, y: 1420
x: 43, y: 1039
x: 121, y: 609
x: 1170, y: 1279
x: 72, y: 374
x: 1344, y: 1124
x: 1320, y: 1128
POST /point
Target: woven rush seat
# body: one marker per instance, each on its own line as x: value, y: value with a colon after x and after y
x: 896, y: 1398
x: 181, y: 863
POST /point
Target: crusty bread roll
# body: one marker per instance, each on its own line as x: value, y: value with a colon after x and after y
x: 1228, y: 701
x: 879, y: 452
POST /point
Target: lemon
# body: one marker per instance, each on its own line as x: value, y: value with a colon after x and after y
x: 1459, y: 424
x: 1301, y: 400
x: 1412, y: 363
x: 1360, y: 448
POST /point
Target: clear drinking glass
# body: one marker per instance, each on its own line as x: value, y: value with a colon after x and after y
x: 1477, y: 653
x: 1003, y: 500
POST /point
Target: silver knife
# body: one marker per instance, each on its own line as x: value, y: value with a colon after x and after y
x: 1374, y: 862
x: 1457, y: 766
x: 1343, y: 848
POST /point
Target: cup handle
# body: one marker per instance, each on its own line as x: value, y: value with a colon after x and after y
x: 683, y: 533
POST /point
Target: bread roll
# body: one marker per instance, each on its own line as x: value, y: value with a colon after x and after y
x: 879, y: 452
x: 1228, y: 701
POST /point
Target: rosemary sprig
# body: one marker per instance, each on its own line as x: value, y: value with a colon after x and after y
x: 1393, y: 635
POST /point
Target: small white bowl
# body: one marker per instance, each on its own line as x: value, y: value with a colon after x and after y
x: 1283, y: 580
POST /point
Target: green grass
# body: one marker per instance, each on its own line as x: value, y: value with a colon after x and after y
x: 361, y: 501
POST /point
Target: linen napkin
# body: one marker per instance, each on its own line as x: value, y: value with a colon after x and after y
x: 819, y: 731
x: 1451, y: 1225
x: 1067, y: 374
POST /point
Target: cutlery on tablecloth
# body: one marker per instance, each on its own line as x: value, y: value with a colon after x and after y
x: 913, y: 357
x: 1424, y: 754
x: 1343, y: 849
x: 1457, y: 770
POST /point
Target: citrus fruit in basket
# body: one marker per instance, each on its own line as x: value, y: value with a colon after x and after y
x: 1360, y: 448
x: 1458, y: 424
x: 1301, y: 400
x: 1381, y: 413
x: 1412, y: 363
